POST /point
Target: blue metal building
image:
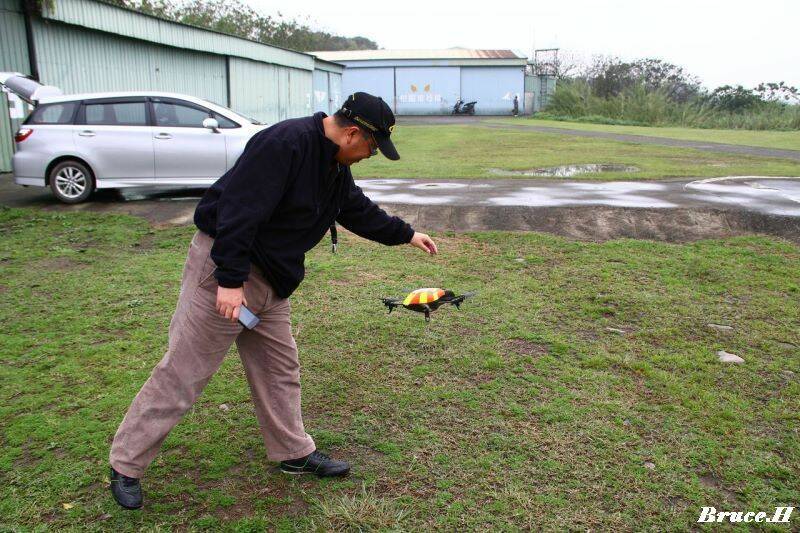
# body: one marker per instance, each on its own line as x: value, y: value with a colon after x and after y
x: 429, y: 82
x: 92, y: 46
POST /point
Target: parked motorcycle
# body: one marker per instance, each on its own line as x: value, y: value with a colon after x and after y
x: 463, y: 109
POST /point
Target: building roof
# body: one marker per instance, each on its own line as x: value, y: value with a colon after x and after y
x: 124, y: 21
x: 448, y: 53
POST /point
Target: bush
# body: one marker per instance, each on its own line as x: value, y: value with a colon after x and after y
x: 591, y: 119
x: 726, y: 107
x: 733, y: 99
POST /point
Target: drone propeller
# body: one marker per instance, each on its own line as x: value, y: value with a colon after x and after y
x: 391, y: 303
x: 458, y: 300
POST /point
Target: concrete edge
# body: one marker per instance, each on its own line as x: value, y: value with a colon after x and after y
x: 601, y: 223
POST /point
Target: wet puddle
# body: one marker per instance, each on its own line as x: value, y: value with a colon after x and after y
x: 430, y: 186
x: 564, y: 171
x: 135, y: 194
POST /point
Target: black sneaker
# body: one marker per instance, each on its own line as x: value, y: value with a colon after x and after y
x: 126, y: 490
x: 315, y: 463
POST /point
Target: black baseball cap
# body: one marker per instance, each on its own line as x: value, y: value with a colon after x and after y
x: 372, y: 113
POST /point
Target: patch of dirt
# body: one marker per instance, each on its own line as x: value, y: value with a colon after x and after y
x: 363, y: 276
x: 642, y: 391
x: 786, y: 345
x: 105, y: 336
x: 59, y: 453
x: 588, y: 334
x: 712, y: 482
x: 242, y: 508
x: 677, y: 503
x: 247, y: 491
x: 15, y: 395
x: 58, y: 264
x: 362, y: 459
x: 236, y: 469
x: 320, y: 411
x: 181, y: 449
x: 95, y: 487
x: 232, y: 513
x: 297, y: 507
x: 463, y: 331
x: 481, y: 378
x: 146, y: 243
x: 526, y: 347
x: 26, y: 459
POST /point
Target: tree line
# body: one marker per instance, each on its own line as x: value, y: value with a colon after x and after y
x: 655, y: 92
x: 237, y: 18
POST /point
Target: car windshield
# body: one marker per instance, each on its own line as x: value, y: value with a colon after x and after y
x: 251, y: 120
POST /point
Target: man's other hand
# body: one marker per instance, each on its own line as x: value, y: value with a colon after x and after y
x: 423, y: 242
x: 229, y: 301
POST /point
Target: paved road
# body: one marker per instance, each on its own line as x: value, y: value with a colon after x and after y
x: 641, y: 139
x: 159, y: 206
x: 679, y: 210
x: 775, y: 196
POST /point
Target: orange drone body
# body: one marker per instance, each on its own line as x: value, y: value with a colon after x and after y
x: 423, y: 296
x: 426, y: 300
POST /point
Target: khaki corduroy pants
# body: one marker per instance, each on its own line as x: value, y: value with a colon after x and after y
x: 199, y: 338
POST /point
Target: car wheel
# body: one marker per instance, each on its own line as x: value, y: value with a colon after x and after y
x: 71, y: 182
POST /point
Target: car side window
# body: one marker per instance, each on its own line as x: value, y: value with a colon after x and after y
x: 225, y: 123
x: 175, y: 115
x: 53, y: 114
x: 178, y: 116
x: 116, y: 114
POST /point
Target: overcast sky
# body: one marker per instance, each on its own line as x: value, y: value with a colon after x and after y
x: 722, y: 42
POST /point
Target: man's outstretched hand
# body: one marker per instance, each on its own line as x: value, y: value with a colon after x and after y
x: 424, y: 243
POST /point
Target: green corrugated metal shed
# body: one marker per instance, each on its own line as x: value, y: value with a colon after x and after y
x: 269, y: 92
x: 540, y: 87
x: 129, y: 23
x: 5, y: 136
x: 90, y: 46
x: 12, y: 28
x: 92, y: 61
x: 327, y: 95
x: 13, y: 57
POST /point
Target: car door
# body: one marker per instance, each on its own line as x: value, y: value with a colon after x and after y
x: 185, y: 151
x: 114, y: 135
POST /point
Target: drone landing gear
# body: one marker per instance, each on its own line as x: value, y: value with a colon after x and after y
x: 390, y: 303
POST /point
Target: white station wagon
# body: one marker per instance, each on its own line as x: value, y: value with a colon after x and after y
x: 77, y: 143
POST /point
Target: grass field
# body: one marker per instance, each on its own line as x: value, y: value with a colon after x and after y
x: 522, y: 410
x: 788, y: 140
x: 469, y: 151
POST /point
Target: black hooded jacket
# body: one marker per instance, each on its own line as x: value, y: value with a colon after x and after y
x: 278, y: 201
